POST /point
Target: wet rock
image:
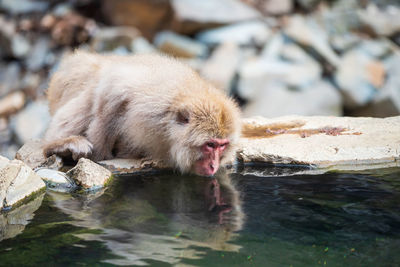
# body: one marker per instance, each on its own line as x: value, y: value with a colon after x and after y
x: 351, y: 143
x: 359, y: 76
x: 122, y: 166
x: 147, y: 15
x: 140, y: 45
x: 31, y: 153
x: 383, y: 21
x: 221, y: 67
x: 31, y: 122
x: 17, y: 182
x: 11, y: 103
x: 16, y: 7
x: 190, y: 16
x: 37, y: 57
x: 179, y: 45
x: 276, y: 99
x: 308, y: 33
x: 9, y: 78
x: 13, y: 222
x: 56, y: 180
x: 243, y: 33
x: 89, y: 175
x: 112, y: 38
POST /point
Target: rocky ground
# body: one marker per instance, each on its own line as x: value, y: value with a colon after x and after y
x: 276, y: 57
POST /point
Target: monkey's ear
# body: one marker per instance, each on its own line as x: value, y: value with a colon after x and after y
x: 182, y: 117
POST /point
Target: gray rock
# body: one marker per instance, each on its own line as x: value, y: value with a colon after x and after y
x: 20, y: 46
x: 343, y: 42
x: 243, y: 33
x: 31, y: 153
x: 355, y: 143
x: 38, y: 55
x: 140, y: 45
x: 56, y: 180
x: 9, y: 78
x: 193, y: 14
x: 17, y: 182
x: 383, y: 21
x: 31, y: 122
x: 308, y: 33
x: 108, y: 39
x: 23, y: 6
x: 13, y: 222
x: 179, y: 45
x: 89, y: 175
x: 376, y: 48
x: 359, y: 76
x: 276, y: 99
x: 11, y: 103
x: 221, y: 67
x: 12, y: 43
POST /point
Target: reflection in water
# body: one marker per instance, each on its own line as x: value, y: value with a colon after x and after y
x: 13, y: 222
x: 160, y: 218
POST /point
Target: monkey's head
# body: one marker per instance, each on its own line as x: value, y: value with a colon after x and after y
x: 204, y: 132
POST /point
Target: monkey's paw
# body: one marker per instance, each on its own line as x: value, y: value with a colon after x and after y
x: 74, y: 146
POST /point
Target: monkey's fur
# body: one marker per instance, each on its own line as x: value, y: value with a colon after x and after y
x: 106, y: 106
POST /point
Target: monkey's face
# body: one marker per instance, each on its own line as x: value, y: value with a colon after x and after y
x: 211, y: 152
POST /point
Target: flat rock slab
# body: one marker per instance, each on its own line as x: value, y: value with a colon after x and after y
x: 124, y: 166
x: 342, y: 143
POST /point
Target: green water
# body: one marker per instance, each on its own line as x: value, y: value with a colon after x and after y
x: 334, y: 219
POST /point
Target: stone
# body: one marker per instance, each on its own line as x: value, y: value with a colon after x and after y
x: 31, y: 122
x: 56, y: 180
x: 12, y: 43
x: 17, y: 182
x: 179, y: 45
x: 36, y: 59
x: 191, y: 16
x: 330, y: 143
x: 11, y: 103
x: 31, y: 153
x: 344, y: 42
x: 385, y: 21
x: 123, y: 166
x: 308, y: 33
x: 149, y: 16
x: 242, y: 33
x: 17, y: 7
x: 221, y: 67
x: 14, y: 222
x: 359, y: 76
x: 9, y: 78
x: 277, y: 7
x: 141, y: 45
x: 89, y: 175
x: 276, y: 99
x: 108, y: 39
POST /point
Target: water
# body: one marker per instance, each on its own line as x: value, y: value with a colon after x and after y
x: 334, y: 219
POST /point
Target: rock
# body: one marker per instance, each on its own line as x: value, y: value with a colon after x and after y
x: 122, y: 166
x: 276, y: 7
x: 111, y: 38
x: 11, y: 103
x: 359, y: 76
x: 89, y: 175
x: 221, y: 67
x: 31, y: 122
x: 378, y: 48
x: 190, y: 16
x: 179, y: 45
x: 243, y: 33
x: 37, y: 57
x: 276, y: 99
x: 56, y: 180
x: 382, y: 22
x: 308, y: 33
x: 31, y: 153
x: 149, y: 16
x: 322, y: 142
x: 16, y: 7
x: 140, y: 45
x: 9, y: 78
x: 17, y: 182
x: 12, y: 43
x: 13, y: 222
x: 344, y: 42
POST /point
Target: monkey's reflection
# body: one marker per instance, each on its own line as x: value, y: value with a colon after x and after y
x: 161, y: 218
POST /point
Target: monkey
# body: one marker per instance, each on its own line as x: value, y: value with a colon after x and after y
x: 149, y: 105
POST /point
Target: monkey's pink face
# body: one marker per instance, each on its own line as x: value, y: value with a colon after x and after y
x: 212, y: 152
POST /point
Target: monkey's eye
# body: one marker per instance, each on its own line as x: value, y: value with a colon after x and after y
x: 182, y: 117
x: 210, y: 144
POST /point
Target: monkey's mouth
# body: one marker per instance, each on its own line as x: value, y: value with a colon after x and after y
x: 206, y: 167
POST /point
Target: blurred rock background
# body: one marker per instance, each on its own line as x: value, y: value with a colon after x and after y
x: 276, y: 57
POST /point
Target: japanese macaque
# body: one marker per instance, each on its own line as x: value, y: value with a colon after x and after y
x: 107, y: 106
